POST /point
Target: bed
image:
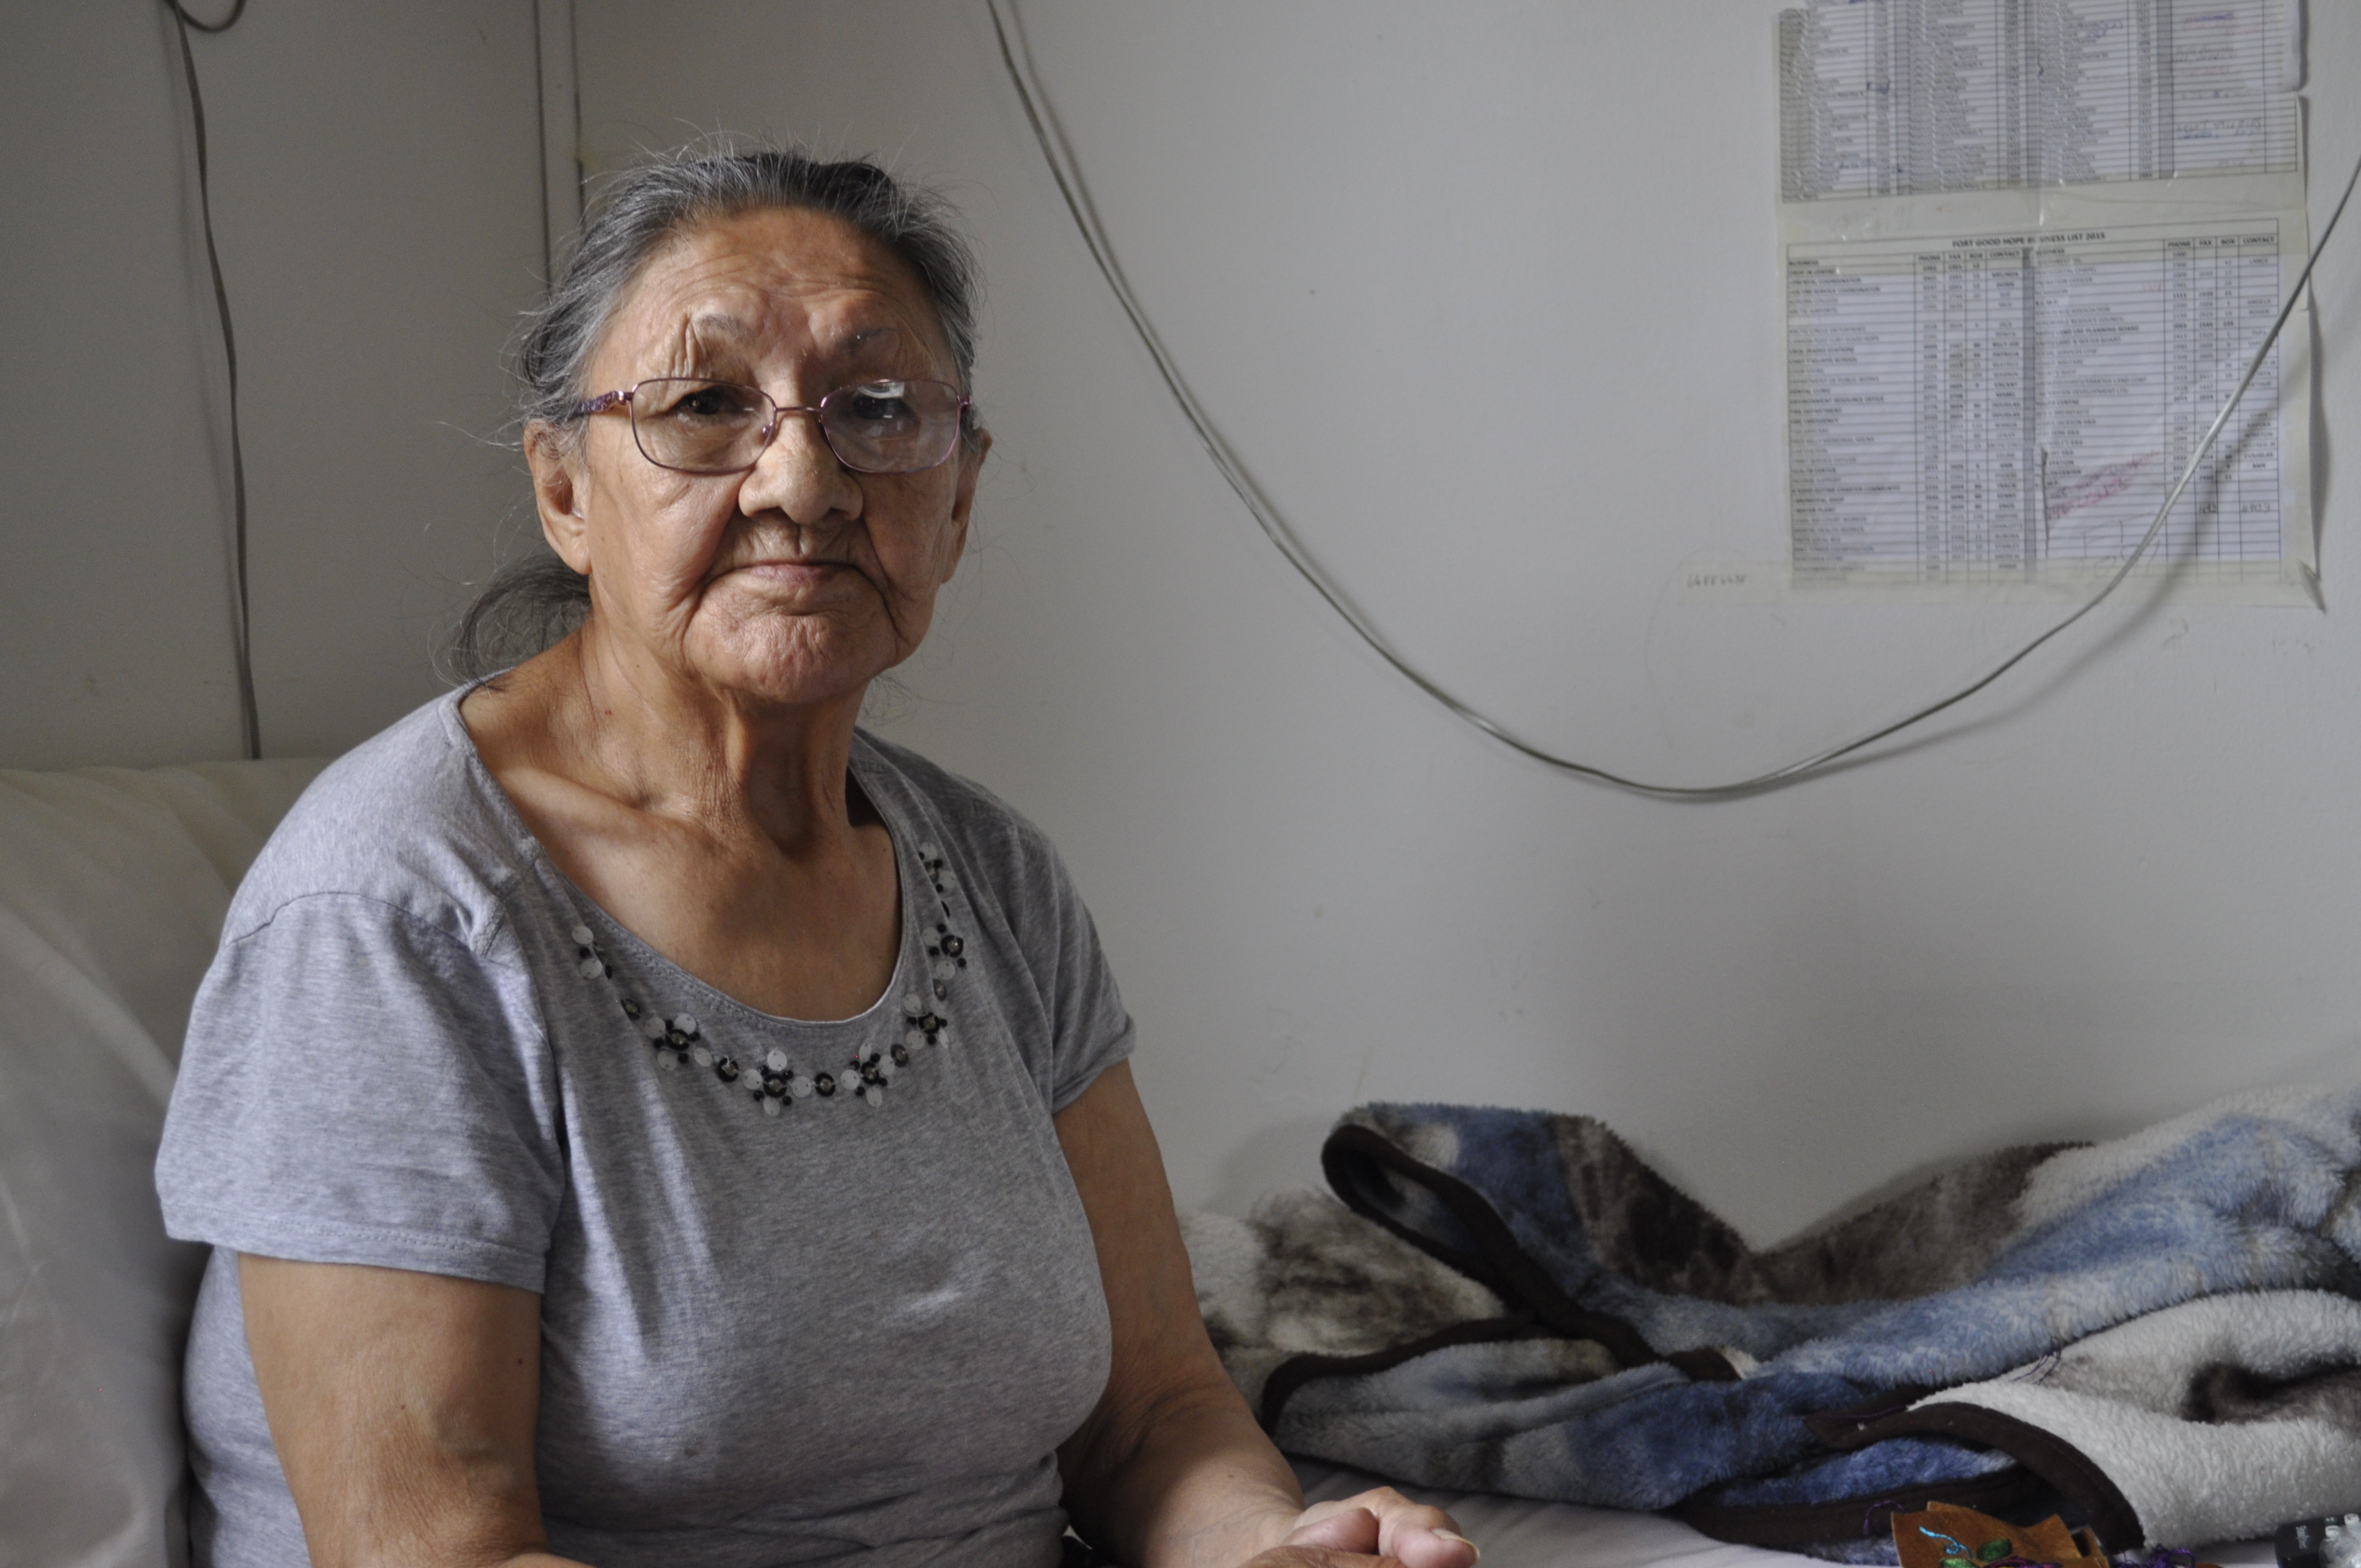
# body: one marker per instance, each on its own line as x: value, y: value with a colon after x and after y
x: 1515, y: 1532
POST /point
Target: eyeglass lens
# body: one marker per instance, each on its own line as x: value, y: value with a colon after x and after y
x: 721, y: 427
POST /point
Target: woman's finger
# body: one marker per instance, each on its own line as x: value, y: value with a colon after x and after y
x: 1423, y: 1546
x: 1336, y: 1526
x: 1317, y: 1557
x: 1414, y: 1534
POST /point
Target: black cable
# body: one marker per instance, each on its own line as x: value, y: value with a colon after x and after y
x: 242, y: 620
x: 224, y: 24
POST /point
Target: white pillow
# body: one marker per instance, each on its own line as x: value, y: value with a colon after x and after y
x: 113, y: 885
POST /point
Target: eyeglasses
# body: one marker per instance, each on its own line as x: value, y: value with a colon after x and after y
x: 694, y: 426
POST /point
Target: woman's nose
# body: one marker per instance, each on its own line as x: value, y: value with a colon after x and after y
x: 800, y: 475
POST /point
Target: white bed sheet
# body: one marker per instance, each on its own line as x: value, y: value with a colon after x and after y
x: 1515, y: 1532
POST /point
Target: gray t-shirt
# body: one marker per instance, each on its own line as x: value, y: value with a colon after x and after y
x: 809, y: 1291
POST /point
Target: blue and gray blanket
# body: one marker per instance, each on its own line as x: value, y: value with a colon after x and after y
x: 2160, y: 1334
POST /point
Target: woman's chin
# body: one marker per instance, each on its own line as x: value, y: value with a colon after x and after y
x: 797, y: 673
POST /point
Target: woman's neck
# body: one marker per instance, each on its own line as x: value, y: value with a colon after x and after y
x: 658, y: 742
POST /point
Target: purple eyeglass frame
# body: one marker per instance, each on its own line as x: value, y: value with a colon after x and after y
x: 622, y: 398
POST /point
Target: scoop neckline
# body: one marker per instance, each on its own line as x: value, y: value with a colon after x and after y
x: 858, y: 763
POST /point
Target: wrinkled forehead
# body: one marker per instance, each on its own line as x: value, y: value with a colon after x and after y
x: 737, y: 294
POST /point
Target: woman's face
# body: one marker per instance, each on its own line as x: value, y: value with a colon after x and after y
x: 799, y: 581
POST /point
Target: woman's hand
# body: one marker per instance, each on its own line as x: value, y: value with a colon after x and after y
x: 1380, y: 1523
x: 1171, y: 1470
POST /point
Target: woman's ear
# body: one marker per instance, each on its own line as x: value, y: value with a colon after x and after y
x: 971, y: 458
x: 557, y: 495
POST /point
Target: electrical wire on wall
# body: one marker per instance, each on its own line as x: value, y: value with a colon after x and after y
x: 1066, y: 172
x: 241, y: 619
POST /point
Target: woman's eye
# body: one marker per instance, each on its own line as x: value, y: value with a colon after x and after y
x: 876, y: 405
x: 714, y: 402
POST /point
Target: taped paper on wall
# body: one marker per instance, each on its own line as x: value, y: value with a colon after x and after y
x: 2029, y: 247
x: 1911, y: 97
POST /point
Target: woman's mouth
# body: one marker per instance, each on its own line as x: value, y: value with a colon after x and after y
x: 789, y: 570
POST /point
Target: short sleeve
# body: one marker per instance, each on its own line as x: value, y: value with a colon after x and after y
x: 1091, y: 1030
x: 360, y: 1086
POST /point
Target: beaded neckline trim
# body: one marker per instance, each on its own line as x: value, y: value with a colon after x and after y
x: 776, y: 1081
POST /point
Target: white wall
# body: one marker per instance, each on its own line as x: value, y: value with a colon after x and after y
x: 377, y: 200
x: 2128, y: 883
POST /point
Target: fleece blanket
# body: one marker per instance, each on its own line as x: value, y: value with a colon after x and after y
x: 2159, y: 1335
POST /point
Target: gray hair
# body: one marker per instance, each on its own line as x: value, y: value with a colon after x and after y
x: 534, y: 602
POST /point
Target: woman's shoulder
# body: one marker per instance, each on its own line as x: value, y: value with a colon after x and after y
x: 976, y: 820
x: 410, y: 820
x: 1018, y: 888
x: 992, y: 844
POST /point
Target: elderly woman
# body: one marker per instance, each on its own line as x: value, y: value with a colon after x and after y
x: 639, y: 1117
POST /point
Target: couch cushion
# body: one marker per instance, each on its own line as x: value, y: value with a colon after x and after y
x: 114, y: 882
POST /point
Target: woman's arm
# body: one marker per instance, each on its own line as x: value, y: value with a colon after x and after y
x: 402, y: 1406
x: 1171, y: 1470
